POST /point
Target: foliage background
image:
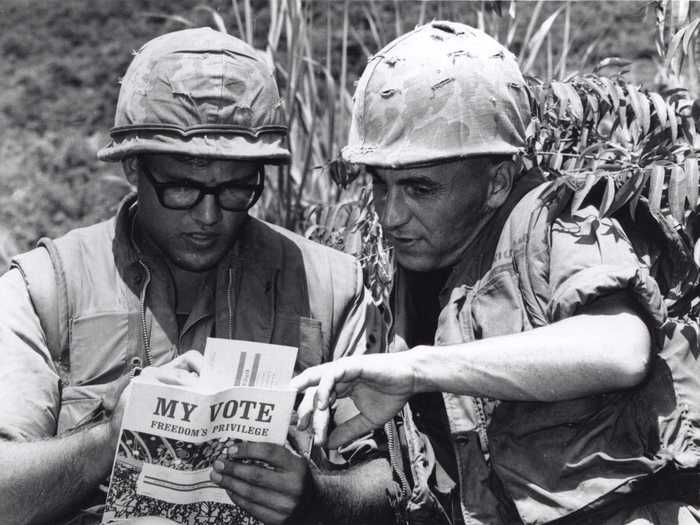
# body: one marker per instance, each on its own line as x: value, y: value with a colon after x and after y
x: 62, y: 59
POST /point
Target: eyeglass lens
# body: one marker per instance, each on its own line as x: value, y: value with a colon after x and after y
x: 233, y: 196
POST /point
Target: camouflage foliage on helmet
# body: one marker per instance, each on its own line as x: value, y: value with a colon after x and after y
x: 442, y: 91
x: 199, y: 92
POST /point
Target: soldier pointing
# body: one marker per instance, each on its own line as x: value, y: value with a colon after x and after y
x: 521, y: 363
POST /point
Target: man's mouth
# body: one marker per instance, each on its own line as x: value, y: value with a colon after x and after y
x: 202, y: 239
x: 400, y: 240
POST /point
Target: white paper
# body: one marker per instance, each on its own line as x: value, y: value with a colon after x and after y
x: 230, y: 362
x: 171, y: 435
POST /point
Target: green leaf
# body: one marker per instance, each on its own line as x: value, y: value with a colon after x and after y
x: 673, y: 123
x: 688, y: 36
x: 556, y: 160
x: 580, y: 195
x: 677, y: 186
x: 537, y: 39
x: 569, y: 101
x: 642, y: 177
x: 656, y: 186
x: 688, y: 128
x: 592, y: 105
x: 624, y: 132
x: 562, y: 94
x: 595, y: 84
x: 691, y: 170
x: 673, y: 55
x: 629, y: 188
x: 660, y: 108
x: 640, y: 106
x: 575, y: 105
x: 612, y: 93
x: 608, y: 196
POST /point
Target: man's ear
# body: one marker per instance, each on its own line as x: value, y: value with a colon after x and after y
x: 130, y: 165
x: 500, y: 183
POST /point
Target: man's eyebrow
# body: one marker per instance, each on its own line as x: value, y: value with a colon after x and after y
x: 406, y: 181
x: 185, y: 180
x: 418, y: 179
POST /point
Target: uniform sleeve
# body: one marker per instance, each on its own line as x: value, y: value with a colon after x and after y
x: 29, y: 383
x: 591, y: 257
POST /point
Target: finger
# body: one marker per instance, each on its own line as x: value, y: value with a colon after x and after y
x: 309, y: 377
x: 146, y: 372
x: 178, y: 376
x: 192, y: 361
x: 353, y: 428
x: 261, y: 511
x: 305, y: 410
x: 261, y: 477
x: 277, y: 456
x: 320, y: 425
x: 325, y: 387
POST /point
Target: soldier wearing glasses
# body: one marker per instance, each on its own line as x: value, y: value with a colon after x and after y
x: 198, y: 118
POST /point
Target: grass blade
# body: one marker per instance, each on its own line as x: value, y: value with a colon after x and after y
x: 537, y: 40
x: 530, y: 28
x: 565, y: 41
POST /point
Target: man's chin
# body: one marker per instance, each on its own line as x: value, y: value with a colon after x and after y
x: 197, y: 263
x: 415, y: 263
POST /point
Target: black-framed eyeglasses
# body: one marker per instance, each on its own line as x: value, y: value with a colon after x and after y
x: 186, y: 194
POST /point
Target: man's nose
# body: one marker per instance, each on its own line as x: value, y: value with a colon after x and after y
x: 207, y: 211
x: 393, y: 211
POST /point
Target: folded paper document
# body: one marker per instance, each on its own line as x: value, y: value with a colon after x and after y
x: 172, y: 435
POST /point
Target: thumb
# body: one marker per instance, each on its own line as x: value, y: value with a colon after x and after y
x: 351, y: 429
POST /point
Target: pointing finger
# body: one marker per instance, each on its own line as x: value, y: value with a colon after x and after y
x: 305, y: 410
x: 351, y: 429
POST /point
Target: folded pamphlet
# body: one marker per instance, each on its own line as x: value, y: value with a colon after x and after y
x: 171, y: 435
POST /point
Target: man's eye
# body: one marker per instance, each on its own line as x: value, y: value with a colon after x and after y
x: 376, y: 181
x: 417, y: 190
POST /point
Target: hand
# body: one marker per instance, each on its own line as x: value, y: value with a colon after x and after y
x: 183, y: 370
x: 269, y: 494
x: 378, y: 384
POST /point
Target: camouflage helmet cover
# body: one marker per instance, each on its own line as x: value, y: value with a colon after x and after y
x: 443, y: 91
x: 199, y: 92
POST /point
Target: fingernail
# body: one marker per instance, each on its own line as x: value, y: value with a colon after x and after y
x: 216, y: 476
x: 232, y: 451
x: 219, y: 465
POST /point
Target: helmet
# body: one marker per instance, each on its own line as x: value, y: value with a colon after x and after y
x: 199, y: 92
x: 443, y: 91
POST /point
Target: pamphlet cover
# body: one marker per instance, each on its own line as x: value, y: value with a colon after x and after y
x: 171, y: 435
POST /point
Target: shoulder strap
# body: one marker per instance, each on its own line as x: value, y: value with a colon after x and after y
x: 525, y: 238
x: 46, y: 283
